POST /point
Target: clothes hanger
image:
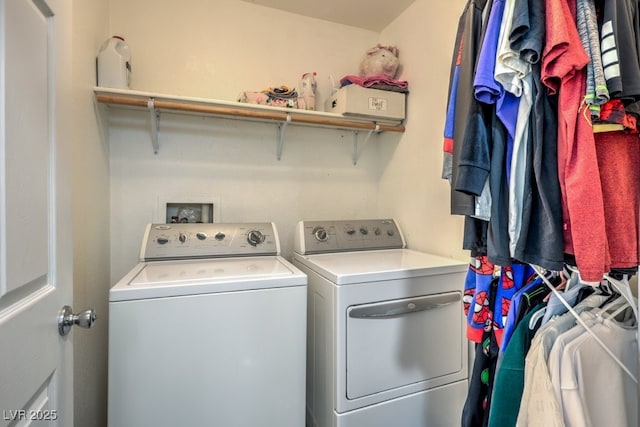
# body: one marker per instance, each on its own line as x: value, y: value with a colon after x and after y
x: 535, y: 317
x: 572, y: 289
x: 624, y: 288
x: 574, y: 277
x: 622, y: 308
x: 610, y: 310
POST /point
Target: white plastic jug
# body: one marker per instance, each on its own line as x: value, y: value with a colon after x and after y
x: 113, y: 64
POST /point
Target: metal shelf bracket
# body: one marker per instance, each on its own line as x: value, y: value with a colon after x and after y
x: 357, y: 152
x: 282, y: 127
x: 155, y: 125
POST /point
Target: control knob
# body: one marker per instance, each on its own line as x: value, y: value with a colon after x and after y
x: 364, y: 231
x: 182, y: 237
x: 320, y: 234
x: 255, y: 237
x: 201, y: 236
x: 220, y: 236
x: 350, y: 231
x: 162, y: 240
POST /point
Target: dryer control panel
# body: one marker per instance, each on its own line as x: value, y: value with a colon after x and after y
x: 183, y: 240
x: 347, y: 235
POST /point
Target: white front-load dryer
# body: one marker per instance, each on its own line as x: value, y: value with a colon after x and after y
x: 386, y: 336
x: 208, y: 330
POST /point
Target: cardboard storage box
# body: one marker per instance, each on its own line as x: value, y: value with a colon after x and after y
x: 365, y: 102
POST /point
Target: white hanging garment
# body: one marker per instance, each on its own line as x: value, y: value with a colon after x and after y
x: 595, y: 390
x: 614, y: 351
x: 539, y: 406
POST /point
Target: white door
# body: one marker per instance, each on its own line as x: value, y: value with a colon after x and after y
x: 35, y: 200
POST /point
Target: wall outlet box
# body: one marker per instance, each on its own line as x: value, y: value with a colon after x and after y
x: 189, y: 213
x: 184, y: 206
x: 360, y: 101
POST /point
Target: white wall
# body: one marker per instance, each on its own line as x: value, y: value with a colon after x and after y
x: 91, y: 215
x: 218, y: 49
x: 411, y: 189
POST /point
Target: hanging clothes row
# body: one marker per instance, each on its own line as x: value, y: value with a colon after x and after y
x: 571, y: 366
x: 533, y: 180
x: 568, y: 355
x: 531, y: 83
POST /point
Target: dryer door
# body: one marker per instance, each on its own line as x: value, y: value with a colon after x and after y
x: 404, y: 342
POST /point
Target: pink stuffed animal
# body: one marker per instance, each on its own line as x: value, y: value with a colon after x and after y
x: 380, y: 61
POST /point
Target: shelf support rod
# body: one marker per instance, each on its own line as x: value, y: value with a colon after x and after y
x: 155, y: 125
x: 282, y: 127
x: 356, y: 152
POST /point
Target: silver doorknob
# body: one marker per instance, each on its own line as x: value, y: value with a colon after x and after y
x: 66, y: 319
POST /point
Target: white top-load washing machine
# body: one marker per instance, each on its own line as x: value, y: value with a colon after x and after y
x: 385, y: 341
x: 208, y: 329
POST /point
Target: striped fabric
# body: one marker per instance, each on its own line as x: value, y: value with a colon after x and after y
x: 610, y: 58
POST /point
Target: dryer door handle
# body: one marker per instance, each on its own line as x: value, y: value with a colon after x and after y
x: 405, y: 306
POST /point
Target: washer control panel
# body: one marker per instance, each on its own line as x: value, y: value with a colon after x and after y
x: 180, y: 241
x: 347, y: 235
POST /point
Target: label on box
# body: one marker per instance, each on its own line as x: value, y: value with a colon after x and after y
x: 354, y: 100
x: 378, y: 104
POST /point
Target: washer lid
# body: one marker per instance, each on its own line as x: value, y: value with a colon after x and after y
x: 370, y: 266
x: 157, y: 279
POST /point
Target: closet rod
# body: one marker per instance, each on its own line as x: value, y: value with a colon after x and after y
x: 250, y: 114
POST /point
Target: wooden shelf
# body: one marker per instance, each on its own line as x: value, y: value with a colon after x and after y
x: 283, y: 117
